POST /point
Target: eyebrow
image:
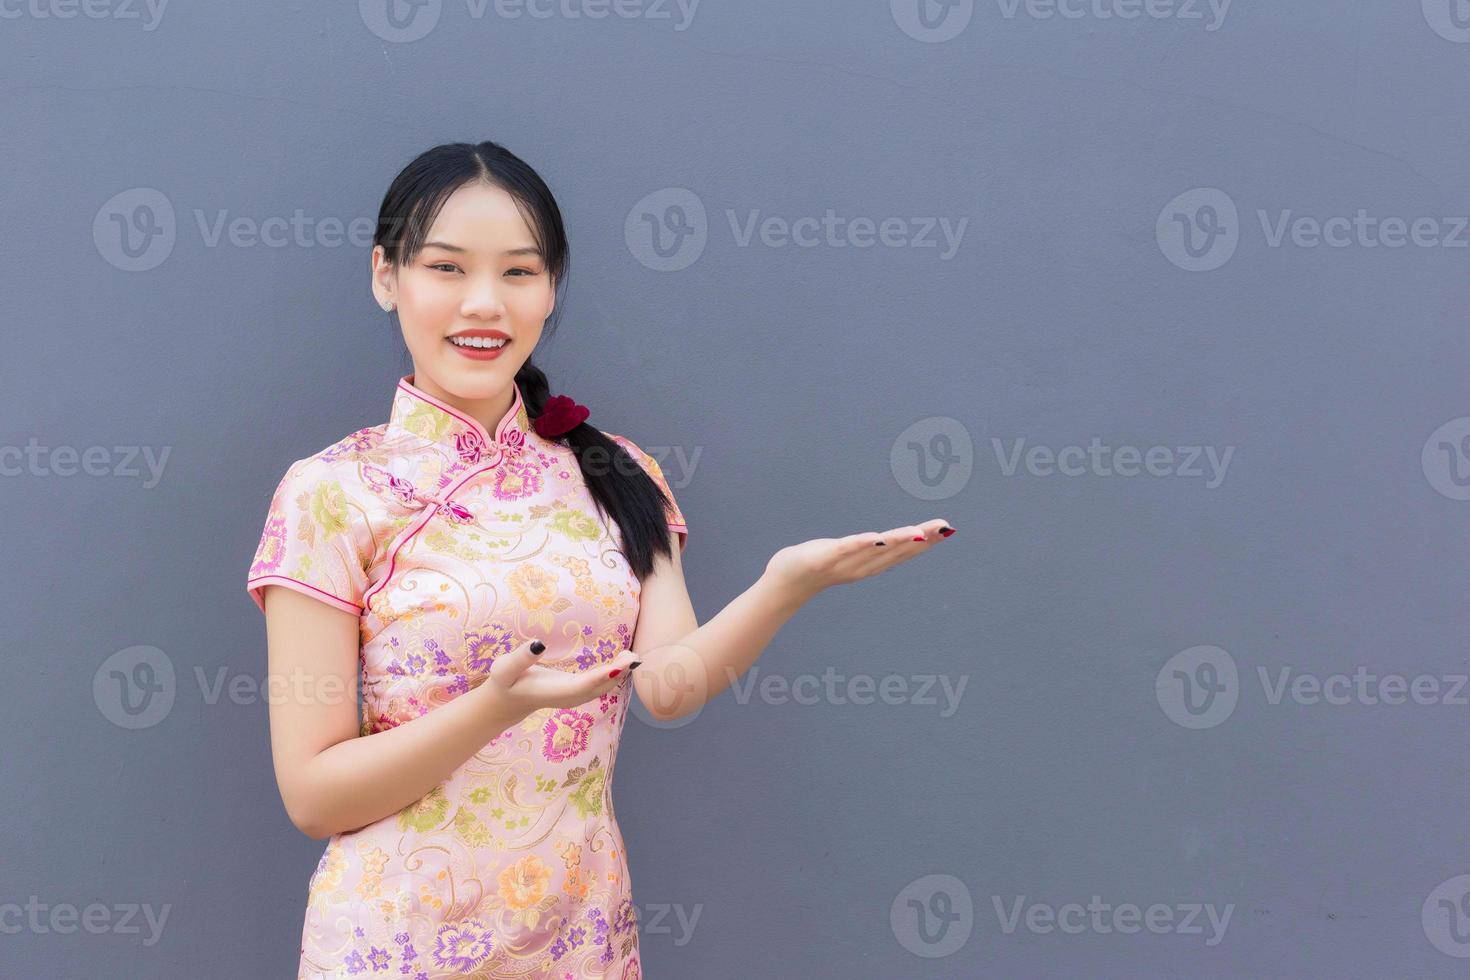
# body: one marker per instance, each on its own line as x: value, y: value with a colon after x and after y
x: 524, y: 250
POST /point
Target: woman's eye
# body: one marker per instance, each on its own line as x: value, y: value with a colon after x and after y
x: 528, y: 272
x: 446, y: 266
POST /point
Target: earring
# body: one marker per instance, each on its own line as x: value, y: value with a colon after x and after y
x: 388, y: 306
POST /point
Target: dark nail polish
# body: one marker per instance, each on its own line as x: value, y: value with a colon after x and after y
x: 537, y: 646
x: 946, y: 531
x: 634, y: 665
x: 880, y: 544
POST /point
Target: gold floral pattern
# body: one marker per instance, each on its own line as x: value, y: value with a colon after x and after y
x: 513, y: 866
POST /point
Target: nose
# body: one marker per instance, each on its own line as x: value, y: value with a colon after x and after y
x: 482, y: 297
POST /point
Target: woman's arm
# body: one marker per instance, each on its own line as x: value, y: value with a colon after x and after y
x: 685, y: 664
x: 332, y: 779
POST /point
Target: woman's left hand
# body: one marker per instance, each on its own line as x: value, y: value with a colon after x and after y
x: 812, y: 566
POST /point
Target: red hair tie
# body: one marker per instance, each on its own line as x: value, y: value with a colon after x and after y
x: 560, y: 416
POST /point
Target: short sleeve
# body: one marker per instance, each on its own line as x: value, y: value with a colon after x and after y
x: 314, y: 541
x: 650, y: 466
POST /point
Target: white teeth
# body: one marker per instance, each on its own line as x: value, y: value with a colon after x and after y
x: 487, y: 342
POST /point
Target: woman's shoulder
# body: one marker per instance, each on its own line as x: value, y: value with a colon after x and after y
x: 338, y: 462
x: 632, y: 447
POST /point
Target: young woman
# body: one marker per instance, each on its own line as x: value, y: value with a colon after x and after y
x: 494, y: 568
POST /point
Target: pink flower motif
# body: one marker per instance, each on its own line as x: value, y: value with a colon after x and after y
x: 459, y: 512
x: 513, y: 439
x: 409, y: 494
x: 272, y: 548
x: 514, y: 481
x: 470, y: 445
x: 402, y: 488
x: 566, y: 734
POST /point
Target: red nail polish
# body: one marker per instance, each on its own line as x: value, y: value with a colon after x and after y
x: 946, y: 531
x: 616, y: 672
x: 918, y: 537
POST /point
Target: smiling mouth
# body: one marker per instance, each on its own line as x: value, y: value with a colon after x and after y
x: 479, y: 343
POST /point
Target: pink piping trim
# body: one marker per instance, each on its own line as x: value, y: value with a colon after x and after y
x: 257, y: 585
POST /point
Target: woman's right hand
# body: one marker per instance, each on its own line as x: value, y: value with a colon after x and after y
x: 521, y: 684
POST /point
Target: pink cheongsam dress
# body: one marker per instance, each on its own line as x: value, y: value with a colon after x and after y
x: 454, y: 545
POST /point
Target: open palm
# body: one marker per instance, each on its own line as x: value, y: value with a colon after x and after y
x: 814, y: 565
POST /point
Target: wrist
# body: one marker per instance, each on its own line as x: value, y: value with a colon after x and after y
x: 497, y: 707
x: 787, y: 595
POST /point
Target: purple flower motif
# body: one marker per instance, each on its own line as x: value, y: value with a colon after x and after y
x: 586, y: 658
x: 558, y: 948
x: 577, y: 935
x: 626, y: 917
x: 486, y: 645
x: 606, y: 650
x: 379, y: 959
x: 442, y: 660
x: 354, y: 962
x: 463, y: 945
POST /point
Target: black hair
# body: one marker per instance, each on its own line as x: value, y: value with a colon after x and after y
x: 622, y: 489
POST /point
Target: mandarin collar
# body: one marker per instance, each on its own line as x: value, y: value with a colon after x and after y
x: 420, y: 413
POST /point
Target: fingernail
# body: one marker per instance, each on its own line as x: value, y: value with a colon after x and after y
x: 880, y: 544
x: 632, y: 666
x: 946, y: 531
x: 918, y: 537
x: 616, y: 672
x: 537, y: 646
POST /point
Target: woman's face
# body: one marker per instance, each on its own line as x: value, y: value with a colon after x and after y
x: 478, y: 273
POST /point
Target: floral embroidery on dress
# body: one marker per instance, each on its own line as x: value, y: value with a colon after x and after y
x: 513, y: 866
